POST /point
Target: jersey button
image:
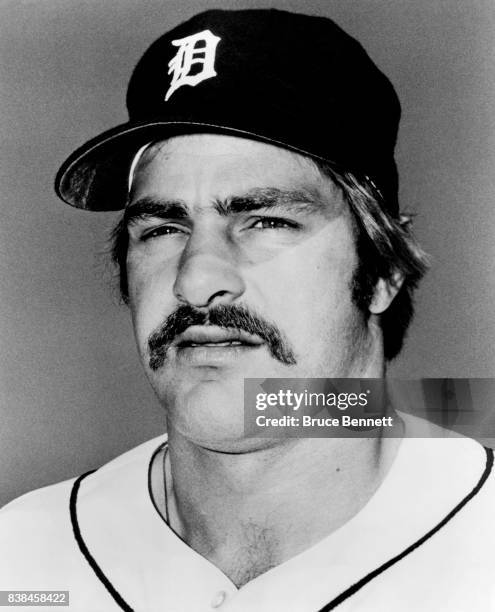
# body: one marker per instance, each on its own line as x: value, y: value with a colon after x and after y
x: 218, y: 600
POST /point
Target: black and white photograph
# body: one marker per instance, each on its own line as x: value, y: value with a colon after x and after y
x: 247, y: 286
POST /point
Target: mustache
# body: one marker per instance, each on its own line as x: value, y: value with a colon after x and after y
x: 226, y: 316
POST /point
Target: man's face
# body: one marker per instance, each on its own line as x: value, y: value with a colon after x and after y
x: 224, y: 223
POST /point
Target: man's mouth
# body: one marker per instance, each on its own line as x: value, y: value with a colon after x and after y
x: 200, y: 335
x: 212, y: 345
x: 232, y: 343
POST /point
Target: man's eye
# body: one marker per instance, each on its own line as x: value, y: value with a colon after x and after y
x: 274, y: 223
x: 163, y: 230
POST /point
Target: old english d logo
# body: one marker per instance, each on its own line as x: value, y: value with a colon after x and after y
x: 194, y: 61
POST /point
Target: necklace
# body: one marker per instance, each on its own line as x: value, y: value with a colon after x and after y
x: 167, y: 516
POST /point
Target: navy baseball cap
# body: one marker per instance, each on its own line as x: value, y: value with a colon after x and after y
x: 292, y: 80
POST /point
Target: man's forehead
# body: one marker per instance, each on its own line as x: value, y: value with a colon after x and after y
x: 228, y: 163
x: 201, y: 145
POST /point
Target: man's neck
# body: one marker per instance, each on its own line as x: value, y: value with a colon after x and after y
x: 248, y: 512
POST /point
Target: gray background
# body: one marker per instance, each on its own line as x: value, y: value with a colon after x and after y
x: 72, y: 392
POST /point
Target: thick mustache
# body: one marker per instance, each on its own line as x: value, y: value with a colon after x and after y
x: 226, y: 316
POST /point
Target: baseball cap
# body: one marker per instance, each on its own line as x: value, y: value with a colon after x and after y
x: 293, y: 80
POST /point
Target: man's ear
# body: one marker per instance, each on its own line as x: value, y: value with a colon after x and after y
x: 385, y: 292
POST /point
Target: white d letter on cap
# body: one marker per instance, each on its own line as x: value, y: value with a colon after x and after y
x: 195, y: 49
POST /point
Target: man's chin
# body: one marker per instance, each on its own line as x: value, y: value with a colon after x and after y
x: 208, y: 410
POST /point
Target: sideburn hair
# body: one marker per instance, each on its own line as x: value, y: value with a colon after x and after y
x: 386, y: 249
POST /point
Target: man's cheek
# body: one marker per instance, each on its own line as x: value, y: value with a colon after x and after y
x: 149, y: 285
x: 147, y: 314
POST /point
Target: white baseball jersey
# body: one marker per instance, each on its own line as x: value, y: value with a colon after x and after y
x: 424, y: 542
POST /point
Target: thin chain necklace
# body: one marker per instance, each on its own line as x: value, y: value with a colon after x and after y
x: 167, y: 516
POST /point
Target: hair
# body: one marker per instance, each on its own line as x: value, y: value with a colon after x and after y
x: 386, y: 249
x: 385, y: 245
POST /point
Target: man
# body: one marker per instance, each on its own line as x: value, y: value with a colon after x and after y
x: 260, y: 238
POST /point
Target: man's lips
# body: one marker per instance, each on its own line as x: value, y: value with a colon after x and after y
x: 213, y: 336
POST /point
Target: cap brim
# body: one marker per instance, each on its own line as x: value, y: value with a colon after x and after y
x: 95, y: 176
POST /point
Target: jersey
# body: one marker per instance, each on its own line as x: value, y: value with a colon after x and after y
x: 424, y: 542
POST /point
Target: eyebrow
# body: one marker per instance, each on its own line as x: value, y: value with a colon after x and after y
x: 151, y: 207
x: 271, y: 197
x: 299, y: 200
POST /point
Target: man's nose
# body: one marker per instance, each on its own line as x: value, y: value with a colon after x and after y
x: 208, y: 273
